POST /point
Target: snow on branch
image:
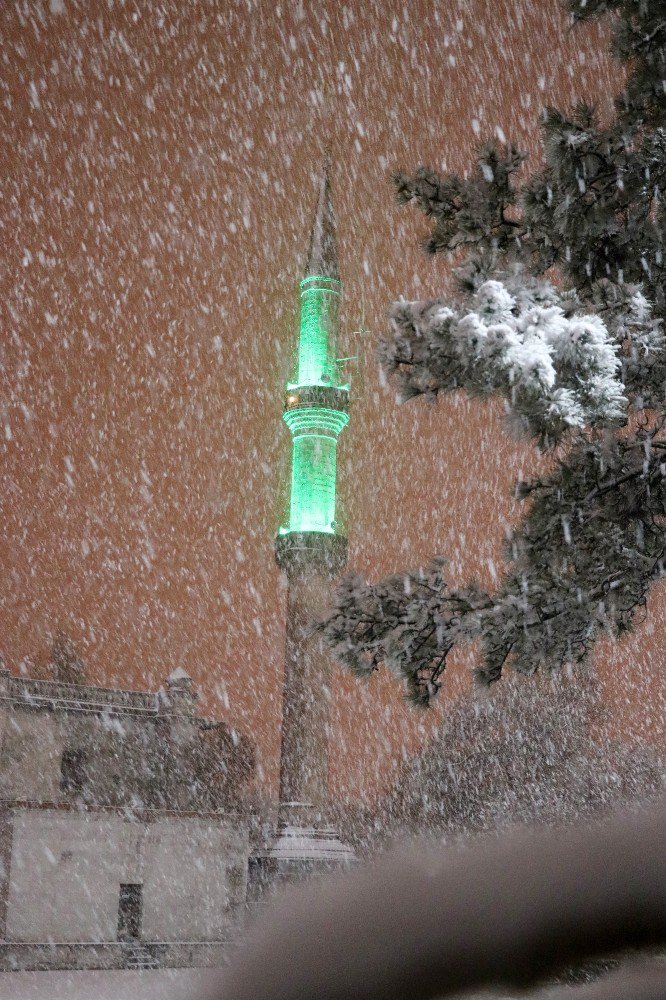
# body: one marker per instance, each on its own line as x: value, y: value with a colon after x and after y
x: 558, y: 370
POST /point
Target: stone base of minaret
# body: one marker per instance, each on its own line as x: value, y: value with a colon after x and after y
x: 304, y: 843
x: 298, y: 852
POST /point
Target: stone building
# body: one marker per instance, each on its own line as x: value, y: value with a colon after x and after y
x: 123, y: 827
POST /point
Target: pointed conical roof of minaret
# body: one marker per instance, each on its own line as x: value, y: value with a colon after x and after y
x: 323, y: 255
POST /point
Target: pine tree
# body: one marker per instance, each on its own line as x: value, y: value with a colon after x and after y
x: 559, y: 310
x: 541, y: 750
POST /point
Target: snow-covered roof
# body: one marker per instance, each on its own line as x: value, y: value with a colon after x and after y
x: 178, y: 675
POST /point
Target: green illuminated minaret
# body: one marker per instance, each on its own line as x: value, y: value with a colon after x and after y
x: 310, y: 549
x: 317, y: 403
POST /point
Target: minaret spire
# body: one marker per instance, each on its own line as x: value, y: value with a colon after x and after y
x: 323, y: 254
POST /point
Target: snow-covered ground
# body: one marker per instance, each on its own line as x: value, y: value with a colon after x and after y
x: 162, y: 984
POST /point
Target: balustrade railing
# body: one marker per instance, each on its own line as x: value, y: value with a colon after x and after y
x: 35, y: 691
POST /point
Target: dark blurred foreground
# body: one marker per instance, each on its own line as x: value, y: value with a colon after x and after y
x: 496, y: 914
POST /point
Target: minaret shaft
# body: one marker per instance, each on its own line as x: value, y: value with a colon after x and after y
x: 317, y: 347
x: 305, y: 707
x: 316, y: 409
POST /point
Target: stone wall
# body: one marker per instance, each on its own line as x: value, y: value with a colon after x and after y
x: 31, y: 746
x: 67, y: 867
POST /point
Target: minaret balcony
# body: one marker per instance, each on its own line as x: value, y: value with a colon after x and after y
x: 315, y: 420
x: 326, y: 397
x: 299, y: 551
x: 320, y: 282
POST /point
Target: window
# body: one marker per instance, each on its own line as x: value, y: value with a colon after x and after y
x: 72, y: 771
x: 130, y: 908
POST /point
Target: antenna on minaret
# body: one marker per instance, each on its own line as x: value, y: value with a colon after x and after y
x: 346, y: 371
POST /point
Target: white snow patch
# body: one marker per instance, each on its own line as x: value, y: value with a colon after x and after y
x: 143, y: 984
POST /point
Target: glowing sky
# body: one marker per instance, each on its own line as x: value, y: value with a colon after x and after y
x: 160, y: 161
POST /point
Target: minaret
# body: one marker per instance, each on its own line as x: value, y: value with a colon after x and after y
x: 311, y: 552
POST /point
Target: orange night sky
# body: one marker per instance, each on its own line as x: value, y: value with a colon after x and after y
x: 160, y: 162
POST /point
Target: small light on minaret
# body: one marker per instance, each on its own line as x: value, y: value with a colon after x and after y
x: 311, y: 551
